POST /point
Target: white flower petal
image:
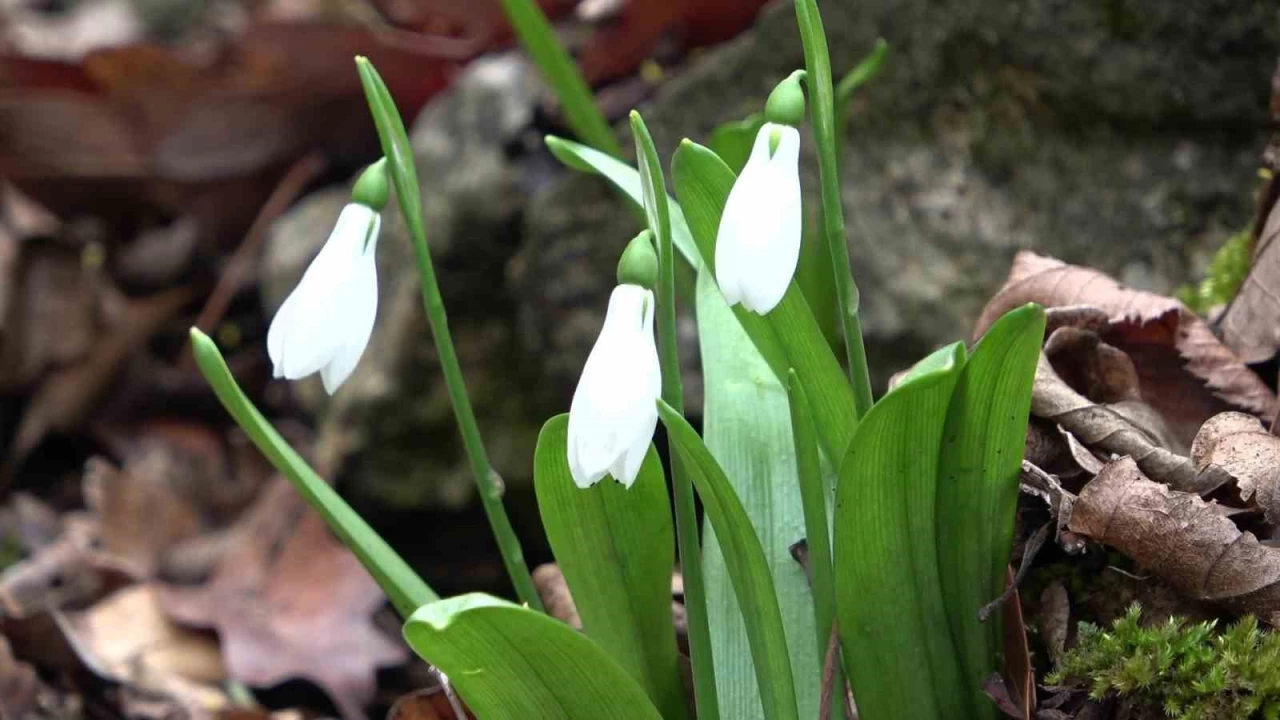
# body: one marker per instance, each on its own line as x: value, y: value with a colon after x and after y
x: 758, y: 243
x: 613, y: 410
x: 738, y: 218
x: 362, y: 299
x: 304, y: 336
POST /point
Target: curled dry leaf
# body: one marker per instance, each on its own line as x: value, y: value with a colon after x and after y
x: 1107, y: 429
x: 1251, y: 323
x: 289, y: 601
x: 1181, y: 538
x: 1238, y: 446
x: 1186, y: 373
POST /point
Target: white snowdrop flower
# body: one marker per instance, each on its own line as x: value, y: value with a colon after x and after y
x: 325, y: 323
x: 758, y: 242
x: 614, y: 410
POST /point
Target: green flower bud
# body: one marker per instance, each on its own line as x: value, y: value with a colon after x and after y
x: 371, y: 188
x: 639, y: 262
x: 786, y: 103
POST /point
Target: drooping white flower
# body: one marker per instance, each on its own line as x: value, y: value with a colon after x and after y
x: 325, y: 323
x: 758, y: 242
x: 614, y: 410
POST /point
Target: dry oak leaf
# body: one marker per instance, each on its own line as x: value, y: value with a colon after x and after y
x: 289, y: 601
x: 127, y: 637
x: 1113, y: 431
x: 1251, y: 323
x: 1181, y: 538
x: 1165, y: 340
x: 1238, y: 446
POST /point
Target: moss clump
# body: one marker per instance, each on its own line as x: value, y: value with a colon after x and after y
x: 1187, y: 670
x: 1224, y: 276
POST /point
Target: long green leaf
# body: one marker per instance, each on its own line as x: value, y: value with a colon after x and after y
x: 626, y: 180
x: 615, y: 548
x: 511, y: 663
x: 653, y: 195
x: 746, y: 427
x: 402, y: 585
x: 561, y: 73
x: 788, y: 337
x: 978, y: 486
x: 747, y: 565
x: 893, y: 625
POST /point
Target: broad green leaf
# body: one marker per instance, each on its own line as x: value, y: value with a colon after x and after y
x: 747, y: 566
x: 733, y: 140
x: 626, y: 180
x: 402, y: 585
x: 981, y: 458
x: 813, y: 495
x: 788, y: 337
x: 615, y: 547
x: 747, y: 429
x: 893, y: 626
x: 561, y: 73
x: 512, y: 663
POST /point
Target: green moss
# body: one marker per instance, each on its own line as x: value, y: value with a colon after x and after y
x: 1226, y: 273
x: 1187, y: 670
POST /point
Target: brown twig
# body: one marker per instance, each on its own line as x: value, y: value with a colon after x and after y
x: 1034, y: 543
x: 238, y: 267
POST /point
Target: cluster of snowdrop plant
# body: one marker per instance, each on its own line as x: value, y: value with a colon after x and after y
x: 904, y: 506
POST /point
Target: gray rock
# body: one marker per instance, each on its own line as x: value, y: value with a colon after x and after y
x: 1120, y: 134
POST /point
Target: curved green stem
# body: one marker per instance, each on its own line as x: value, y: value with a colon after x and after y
x: 402, y: 585
x: 395, y: 146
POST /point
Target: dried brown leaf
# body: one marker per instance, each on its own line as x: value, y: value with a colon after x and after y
x: 1240, y: 447
x: 1185, y: 372
x: 429, y: 704
x: 1055, y: 619
x: 128, y: 638
x: 1251, y: 323
x: 68, y: 573
x: 289, y: 601
x: 141, y: 515
x: 1109, y: 430
x: 67, y: 396
x: 1181, y: 538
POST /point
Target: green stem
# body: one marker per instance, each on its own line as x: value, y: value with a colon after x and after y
x: 657, y: 212
x: 395, y: 146
x: 562, y: 74
x: 402, y: 585
x: 822, y: 116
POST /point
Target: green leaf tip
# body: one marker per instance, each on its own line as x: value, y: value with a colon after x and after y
x: 785, y: 105
x: 639, y: 262
x: 373, y: 188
